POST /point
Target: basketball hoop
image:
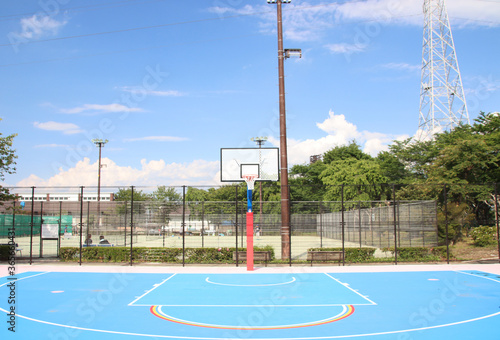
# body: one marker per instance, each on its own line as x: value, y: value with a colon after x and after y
x: 250, y: 179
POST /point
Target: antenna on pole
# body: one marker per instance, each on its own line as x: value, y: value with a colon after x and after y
x: 442, y: 99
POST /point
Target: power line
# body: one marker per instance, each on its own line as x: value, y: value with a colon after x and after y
x: 180, y: 23
x: 477, y: 20
x: 78, y: 9
x: 134, y: 29
x: 128, y: 50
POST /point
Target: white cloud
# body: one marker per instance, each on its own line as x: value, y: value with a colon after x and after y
x: 157, y: 139
x: 344, y: 48
x: 51, y: 146
x: 338, y: 132
x: 66, y: 128
x: 151, y: 173
x: 109, y: 108
x: 245, y: 10
x: 143, y: 92
x: 409, y: 12
x: 38, y: 26
x: 306, y: 22
x: 401, y: 67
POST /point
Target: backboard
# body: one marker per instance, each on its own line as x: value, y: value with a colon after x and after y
x: 238, y: 162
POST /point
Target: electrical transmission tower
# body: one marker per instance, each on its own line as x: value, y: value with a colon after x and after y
x: 442, y: 99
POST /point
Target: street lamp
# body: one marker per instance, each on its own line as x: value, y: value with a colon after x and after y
x: 285, y: 195
x: 100, y: 144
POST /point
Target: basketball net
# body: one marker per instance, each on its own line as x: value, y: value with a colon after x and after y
x: 250, y: 179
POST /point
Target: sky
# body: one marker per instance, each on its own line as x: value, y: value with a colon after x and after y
x: 169, y: 83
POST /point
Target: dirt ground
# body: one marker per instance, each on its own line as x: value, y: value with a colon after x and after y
x: 465, y: 250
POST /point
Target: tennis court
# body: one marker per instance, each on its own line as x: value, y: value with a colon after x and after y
x: 383, y: 302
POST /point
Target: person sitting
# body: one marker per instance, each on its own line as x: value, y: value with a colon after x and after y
x: 102, y: 240
x: 88, y: 241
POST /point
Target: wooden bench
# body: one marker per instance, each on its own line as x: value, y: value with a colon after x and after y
x: 258, y: 256
x: 325, y: 256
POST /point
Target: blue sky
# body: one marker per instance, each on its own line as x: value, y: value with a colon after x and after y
x: 169, y: 83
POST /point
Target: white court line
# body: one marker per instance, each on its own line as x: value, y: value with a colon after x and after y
x: 276, y: 338
x: 246, y: 306
x: 345, y: 285
x: 480, y: 276
x: 149, y: 291
x: 261, y: 285
x: 22, y: 278
x: 371, y: 303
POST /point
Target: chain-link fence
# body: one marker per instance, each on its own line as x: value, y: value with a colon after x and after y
x: 46, y: 220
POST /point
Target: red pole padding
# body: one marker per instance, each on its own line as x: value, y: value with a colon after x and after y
x: 249, y: 241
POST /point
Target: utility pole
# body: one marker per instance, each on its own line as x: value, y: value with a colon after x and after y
x: 285, y: 190
x: 100, y: 144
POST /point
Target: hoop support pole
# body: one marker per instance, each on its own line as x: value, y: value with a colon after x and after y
x: 249, y: 231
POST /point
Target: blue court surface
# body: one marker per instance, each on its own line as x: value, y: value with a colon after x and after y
x: 450, y: 304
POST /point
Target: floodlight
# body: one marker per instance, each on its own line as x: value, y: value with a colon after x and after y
x: 293, y: 52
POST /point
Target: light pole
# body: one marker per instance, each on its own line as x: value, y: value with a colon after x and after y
x: 100, y: 144
x: 285, y: 195
x: 260, y: 141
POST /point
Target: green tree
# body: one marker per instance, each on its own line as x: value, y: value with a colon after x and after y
x: 165, y: 200
x: 459, y: 219
x: 344, y: 152
x: 196, y: 195
x: 362, y: 180
x: 392, y: 167
x: 415, y: 156
x: 126, y: 195
x: 468, y: 159
x: 166, y: 194
x: 305, y: 182
x: 7, y: 163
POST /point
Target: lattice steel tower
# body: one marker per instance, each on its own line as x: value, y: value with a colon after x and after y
x: 442, y: 99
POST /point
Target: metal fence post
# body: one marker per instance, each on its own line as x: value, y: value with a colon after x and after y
x: 14, y: 226
x: 40, y: 247
x: 125, y: 224
x: 290, y: 229
x: 395, y: 224
x: 203, y: 225
x: 131, y: 224
x: 81, y: 223
x: 236, y: 225
x: 31, y: 224
x: 446, y: 224
x: 343, y: 224
x: 183, y: 225
x: 359, y: 222
x: 496, y: 220
x: 60, y: 228
x: 320, y: 225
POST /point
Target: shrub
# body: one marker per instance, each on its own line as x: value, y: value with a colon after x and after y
x: 352, y: 255
x: 143, y: 254
x: 416, y: 254
x: 483, y: 236
x: 440, y: 252
x: 4, y: 253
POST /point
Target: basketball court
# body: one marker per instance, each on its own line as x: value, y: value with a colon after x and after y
x: 382, y: 302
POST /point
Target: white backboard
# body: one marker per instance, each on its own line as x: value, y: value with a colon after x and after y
x: 236, y: 162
